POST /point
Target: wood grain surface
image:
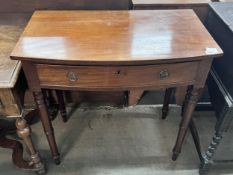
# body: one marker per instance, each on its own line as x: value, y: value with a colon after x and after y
x: 116, y: 77
x: 114, y: 37
x: 11, y: 26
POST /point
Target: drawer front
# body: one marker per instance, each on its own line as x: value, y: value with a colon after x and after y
x: 122, y: 77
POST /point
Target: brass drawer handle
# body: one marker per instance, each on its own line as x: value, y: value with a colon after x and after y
x: 72, y: 76
x: 163, y: 74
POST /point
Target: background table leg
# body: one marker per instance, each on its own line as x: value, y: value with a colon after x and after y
x: 47, y: 125
x: 208, y: 157
x: 167, y: 100
x: 61, y: 103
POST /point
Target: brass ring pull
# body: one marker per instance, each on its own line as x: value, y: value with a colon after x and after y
x: 163, y: 74
x: 72, y: 76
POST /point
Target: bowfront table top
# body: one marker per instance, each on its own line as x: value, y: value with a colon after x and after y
x: 114, y: 37
x: 117, y: 51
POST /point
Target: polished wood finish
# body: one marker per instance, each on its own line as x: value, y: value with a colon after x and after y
x: 10, y: 30
x: 9, y: 128
x: 80, y: 39
x: 10, y: 88
x: 47, y: 125
x: 192, y: 97
x: 24, y: 132
x: 115, y: 51
x: 116, y: 77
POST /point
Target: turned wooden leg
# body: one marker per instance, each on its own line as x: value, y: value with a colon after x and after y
x: 24, y: 132
x: 167, y: 100
x: 61, y: 103
x: 47, y: 125
x: 208, y: 157
x: 193, y: 129
x: 187, y: 115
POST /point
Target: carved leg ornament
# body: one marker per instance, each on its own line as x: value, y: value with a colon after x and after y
x: 208, y: 157
x: 24, y: 132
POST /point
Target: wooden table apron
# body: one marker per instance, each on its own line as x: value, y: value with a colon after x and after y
x: 115, y: 69
x: 119, y: 78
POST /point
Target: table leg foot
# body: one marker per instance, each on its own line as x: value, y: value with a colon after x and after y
x: 24, y: 132
x: 208, y: 157
x: 57, y: 160
x: 175, y: 156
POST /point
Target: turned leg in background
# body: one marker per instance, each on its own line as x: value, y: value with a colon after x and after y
x: 61, y: 103
x: 190, y: 104
x: 50, y: 103
x: 208, y: 157
x: 24, y: 132
x: 47, y: 125
x: 166, y: 102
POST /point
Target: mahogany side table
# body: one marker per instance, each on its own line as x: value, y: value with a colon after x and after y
x: 115, y: 51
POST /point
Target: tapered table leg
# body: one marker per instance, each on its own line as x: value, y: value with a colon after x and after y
x: 24, y: 132
x: 193, y: 128
x: 47, y: 125
x: 192, y: 96
x: 208, y: 157
x: 167, y: 100
x: 61, y: 103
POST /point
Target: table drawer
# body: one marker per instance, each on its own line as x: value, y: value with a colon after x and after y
x: 121, y: 77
